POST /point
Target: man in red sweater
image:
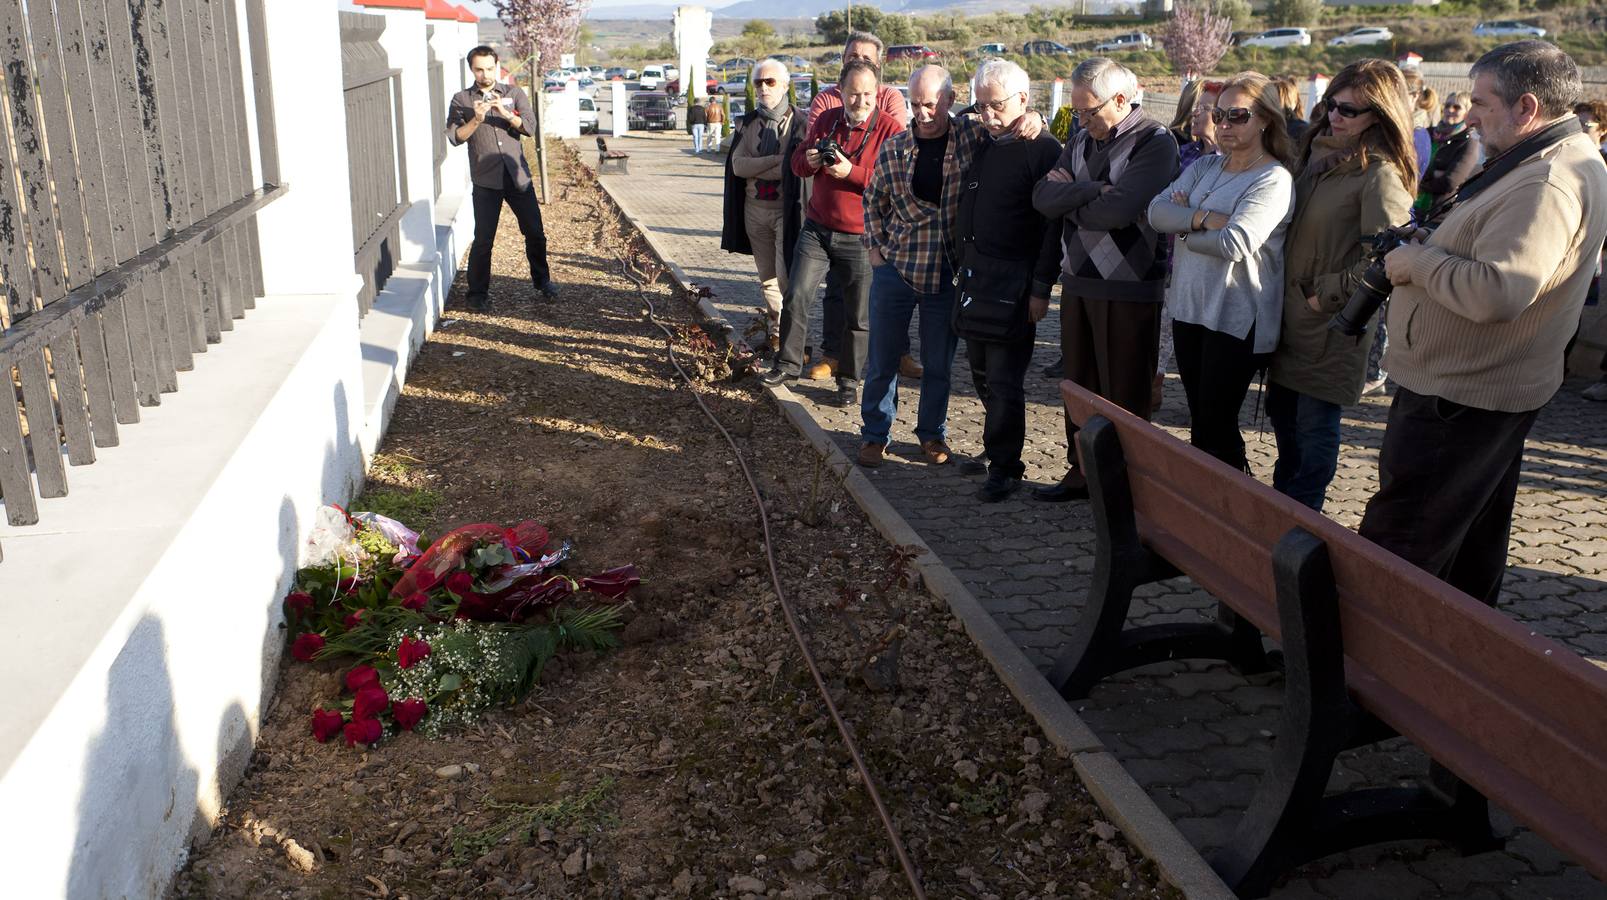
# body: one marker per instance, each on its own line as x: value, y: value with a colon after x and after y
x: 834, y: 225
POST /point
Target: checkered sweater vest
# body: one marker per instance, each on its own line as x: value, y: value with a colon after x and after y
x: 1125, y: 262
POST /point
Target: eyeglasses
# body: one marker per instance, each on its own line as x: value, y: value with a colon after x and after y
x: 1238, y: 115
x: 1348, y: 111
x: 767, y: 82
x: 999, y: 105
x: 1589, y: 126
x: 1086, y: 113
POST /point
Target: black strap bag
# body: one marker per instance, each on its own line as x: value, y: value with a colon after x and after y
x: 990, y: 298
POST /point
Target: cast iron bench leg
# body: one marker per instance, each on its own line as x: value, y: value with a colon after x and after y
x: 1100, y: 645
x: 1290, y: 821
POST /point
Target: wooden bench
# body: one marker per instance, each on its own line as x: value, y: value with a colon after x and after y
x: 606, y: 156
x: 1372, y: 647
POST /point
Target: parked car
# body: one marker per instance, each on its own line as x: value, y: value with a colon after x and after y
x: 652, y: 78
x: 614, y: 72
x: 736, y: 84
x: 1280, y: 37
x: 793, y: 63
x: 987, y: 50
x: 1121, y: 43
x: 554, y: 84
x: 911, y: 51
x: 650, y: 112
x: 834, y: 58
x: 670, y: 71
x: 1045, y: 48
x: 710, y: 86
x: 588, y: 115
x: 597, y: 72
x: 738, y: 62
x: 1362, y: 36
x: 739, y: 106
x: 586, y: 85
x: 1507, y: 28
x: 801, y: 88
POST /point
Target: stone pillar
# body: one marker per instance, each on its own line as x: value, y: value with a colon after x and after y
x: 405, y: 43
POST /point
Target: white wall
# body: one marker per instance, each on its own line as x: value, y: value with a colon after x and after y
x: 404, y: 42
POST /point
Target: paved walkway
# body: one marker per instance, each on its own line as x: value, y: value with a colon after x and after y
x: 1194, y: 734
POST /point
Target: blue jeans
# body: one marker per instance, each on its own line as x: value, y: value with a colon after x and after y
x: 1308, y: 444
x: 892, y: 303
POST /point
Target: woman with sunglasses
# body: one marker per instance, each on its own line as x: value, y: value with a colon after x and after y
x: 1356, y: 174
x: 1229, y: 212
x: 1455, y: 156
x: 1201, y: 133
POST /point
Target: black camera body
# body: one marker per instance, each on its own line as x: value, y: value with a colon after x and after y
x: 1375, y: 284
x: 830, y: 151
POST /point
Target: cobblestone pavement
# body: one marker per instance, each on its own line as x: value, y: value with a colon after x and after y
x: 1194, y: 734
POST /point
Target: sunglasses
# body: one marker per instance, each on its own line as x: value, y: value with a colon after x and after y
x: 1348, y: 111
x: 767, y: 82
x: 1238, y: 115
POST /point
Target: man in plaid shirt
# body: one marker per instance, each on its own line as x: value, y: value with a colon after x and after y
x: 910, y: 206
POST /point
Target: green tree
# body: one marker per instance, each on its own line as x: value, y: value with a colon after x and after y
x: 836, y: 25
x: 1498, y: 7
x: 1236, y: 11
x: 1295, y: 13
x: 759, y: 29
x: 897, y: 29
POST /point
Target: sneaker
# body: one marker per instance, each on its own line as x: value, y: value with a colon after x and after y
x: 870, y: 455
x: 937, y: 452
x: 974, y: 465
x: 908, y: 367
x: 997, y: 487
x: 777, y: 377
x: 1597, y: 391
x: 1375, y: 386
x: 846, y: 395
x: 822, y: 370
x: 1056, y: 369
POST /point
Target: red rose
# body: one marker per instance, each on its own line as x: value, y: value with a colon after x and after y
x: 613, y: 584
x: 326, y: 724
x: 361, y: 677
x: 370, y: 702
x: 408, y: 712
x: 363, y: 731
x: 307, y: 646
x: 355, y: 619
x: 348, y: 585
x: 411, y: 651
x: 417, y: 600
x: 461, y: 584
x: 298, y: 603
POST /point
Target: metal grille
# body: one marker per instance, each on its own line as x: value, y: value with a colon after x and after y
x: 378, y: 166
x: 128, y: 237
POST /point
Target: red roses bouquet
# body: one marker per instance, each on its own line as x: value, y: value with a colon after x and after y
x: 451, y: 628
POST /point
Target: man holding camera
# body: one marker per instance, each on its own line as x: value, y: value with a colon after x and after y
x: 493, y: 119
x: 1480, y: 313
x: 837, y: 153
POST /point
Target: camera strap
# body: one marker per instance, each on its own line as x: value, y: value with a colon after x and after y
x: 870, y: 125
x: 1498, y: 168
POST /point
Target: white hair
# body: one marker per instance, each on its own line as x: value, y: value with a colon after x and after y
x: 1003, y: 74
x: 948, y: 80
x: 1105, y: 78
x: 753, y: 73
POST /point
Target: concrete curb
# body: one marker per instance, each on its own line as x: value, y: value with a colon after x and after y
x: 1118, y: 795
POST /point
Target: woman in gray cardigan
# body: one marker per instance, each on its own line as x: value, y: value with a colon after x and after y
x: 1229, y: 213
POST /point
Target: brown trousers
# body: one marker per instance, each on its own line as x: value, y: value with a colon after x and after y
x: 1110, y: 347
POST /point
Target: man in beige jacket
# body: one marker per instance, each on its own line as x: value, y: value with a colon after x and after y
x: 1479, y: 317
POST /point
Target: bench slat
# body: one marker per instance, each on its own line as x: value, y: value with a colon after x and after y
x: 1516, y: 714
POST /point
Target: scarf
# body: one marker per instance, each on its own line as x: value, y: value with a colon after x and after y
x: 1329, y: 151
x: 770, y: 119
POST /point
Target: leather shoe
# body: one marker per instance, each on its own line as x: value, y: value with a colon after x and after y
x: 974, y: 465
x: 549, y: 290
x: 1072, y: 487
x: 847, y: 394
x: 777, y: 377
x: 937, y: 452
x: 997, y: 487
x: 1056, y: 369
x: 908, y: 367
x: 478, y: 304
x: 870, y: 455
x: 822, y: 370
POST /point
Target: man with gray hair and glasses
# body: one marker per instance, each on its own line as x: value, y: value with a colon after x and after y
x: 1113, y: 273
x: 1483, y: 305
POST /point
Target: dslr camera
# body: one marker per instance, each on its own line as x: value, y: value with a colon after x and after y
x: 830, y: 151
x: 1375, y: 285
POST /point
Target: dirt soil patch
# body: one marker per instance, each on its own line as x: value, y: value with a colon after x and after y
x: 698, y: 759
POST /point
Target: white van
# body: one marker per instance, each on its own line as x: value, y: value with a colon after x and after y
x: 1279, y: 37
x: 652, y: 78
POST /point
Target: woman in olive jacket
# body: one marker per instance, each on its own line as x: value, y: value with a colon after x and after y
x: 1356, y: 174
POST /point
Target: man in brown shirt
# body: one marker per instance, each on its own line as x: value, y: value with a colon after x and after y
x: 493, y: 119
x: 714, y: 116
